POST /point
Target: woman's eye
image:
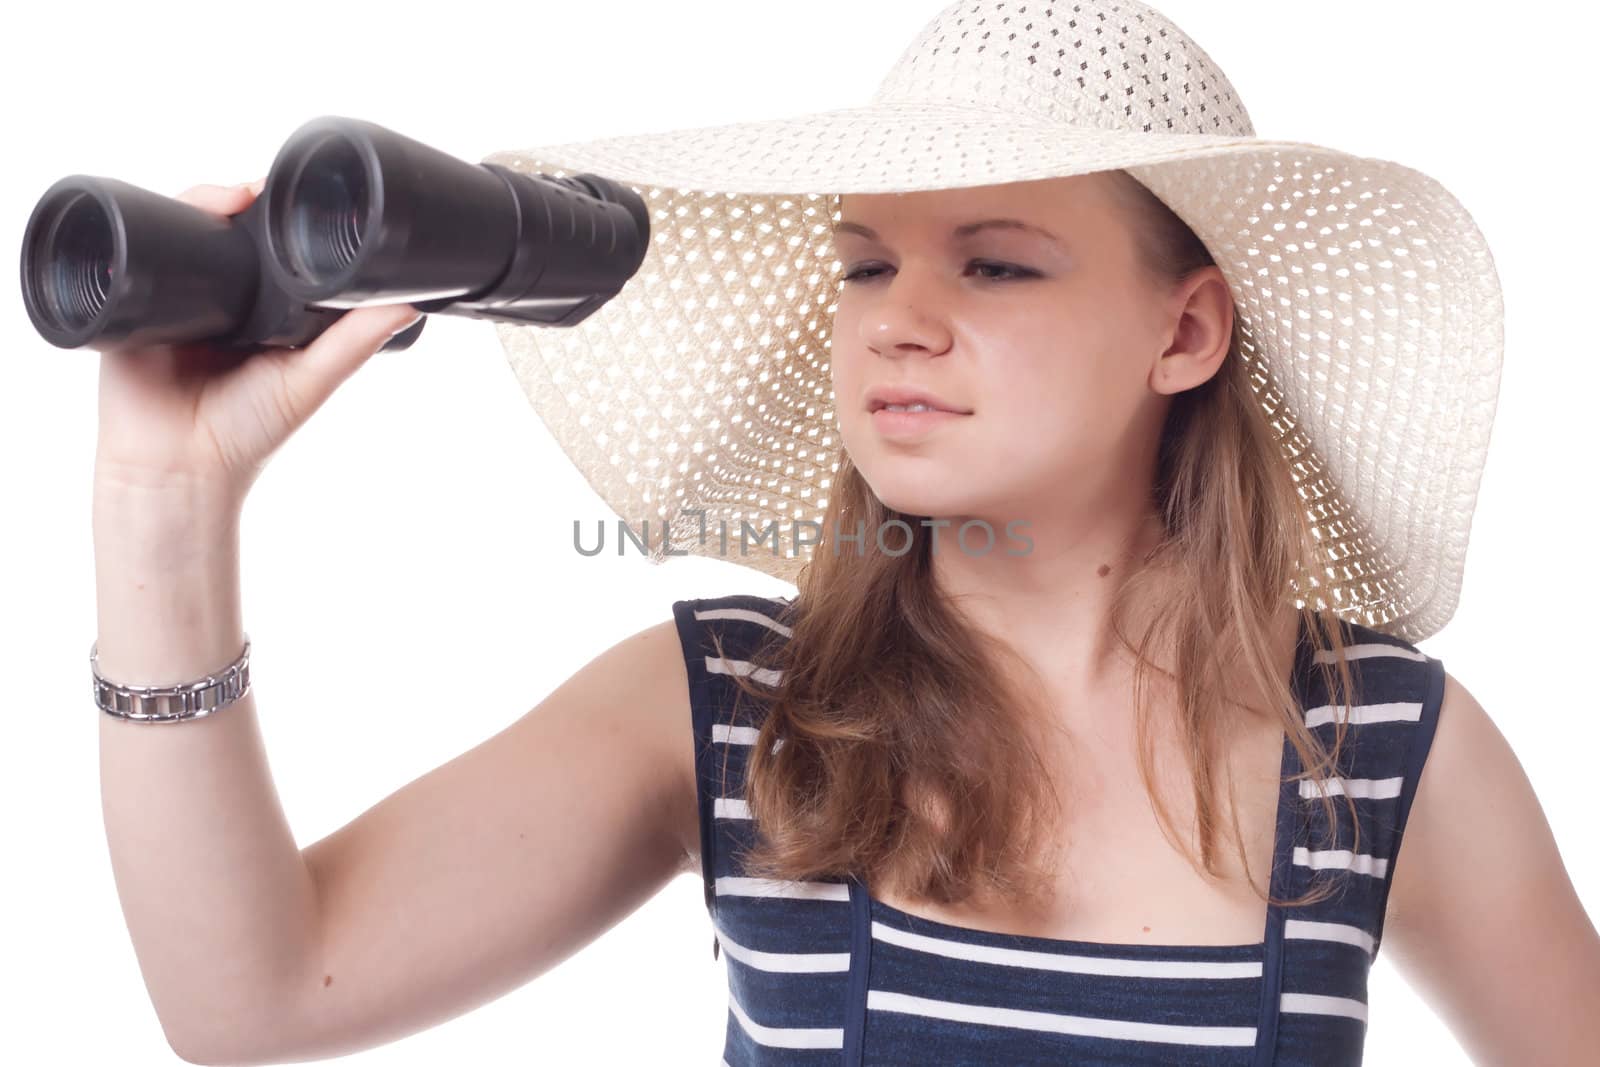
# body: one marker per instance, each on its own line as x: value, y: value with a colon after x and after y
x: 1005, y: 272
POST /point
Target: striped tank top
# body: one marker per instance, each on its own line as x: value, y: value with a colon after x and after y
x: 820, y: 972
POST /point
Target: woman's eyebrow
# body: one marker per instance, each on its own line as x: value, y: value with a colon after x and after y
x: 966, y: 229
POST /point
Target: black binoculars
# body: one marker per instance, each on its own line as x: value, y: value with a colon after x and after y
x: 351, y: 215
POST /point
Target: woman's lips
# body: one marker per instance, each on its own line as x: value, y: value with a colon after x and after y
x: 908, y: 424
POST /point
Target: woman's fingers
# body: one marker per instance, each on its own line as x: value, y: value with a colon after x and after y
x: 308, y: 376
x: 223, y: 199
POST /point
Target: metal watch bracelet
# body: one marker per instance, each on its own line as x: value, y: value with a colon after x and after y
x: 173, y: 703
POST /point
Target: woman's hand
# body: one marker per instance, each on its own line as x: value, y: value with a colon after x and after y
x: 195, y: 416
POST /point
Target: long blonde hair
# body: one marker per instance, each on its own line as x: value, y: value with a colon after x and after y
x: 906, y: 757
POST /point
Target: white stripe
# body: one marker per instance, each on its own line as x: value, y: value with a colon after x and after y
x: 1320, y: 931
x: 733, y: 735
x: 1369, y: 650
x: 730, y: 808
x: 1399, y: 711
x: 786, y: 1036
x: 1360, y: 788
x: 1057, y: 961
x: 745, y: 615
x: 739, y: 735
x: 1314, y: 1004
x: 1361, y: 864
x: 881, y: 1000
x: 786, y: 962
x: 743, y: 668
x: 770, y: 887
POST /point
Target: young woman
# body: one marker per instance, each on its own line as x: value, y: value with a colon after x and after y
x: 1096, y: 723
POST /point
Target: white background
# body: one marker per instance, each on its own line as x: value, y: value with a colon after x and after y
x: 409, y: 580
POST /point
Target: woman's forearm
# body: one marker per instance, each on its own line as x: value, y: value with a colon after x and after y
x: 218, y: 901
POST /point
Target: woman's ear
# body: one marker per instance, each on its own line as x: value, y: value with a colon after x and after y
x: 1202, y: 333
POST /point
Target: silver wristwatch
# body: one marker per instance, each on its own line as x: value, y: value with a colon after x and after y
x: 174, y: 703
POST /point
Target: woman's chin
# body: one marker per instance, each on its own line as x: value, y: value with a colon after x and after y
x: 919, y: 499
x: 919, y: 485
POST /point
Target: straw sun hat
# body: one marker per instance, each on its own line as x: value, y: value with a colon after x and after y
x: 1367, y: 299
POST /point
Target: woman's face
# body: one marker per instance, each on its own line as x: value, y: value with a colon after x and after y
x: 1049, y: 344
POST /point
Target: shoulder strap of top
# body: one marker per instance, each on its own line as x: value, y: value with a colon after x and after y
x: 1395, y: 708
x: 741, y: 623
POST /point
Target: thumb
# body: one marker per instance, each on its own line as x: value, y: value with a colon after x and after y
x: 311, y: 374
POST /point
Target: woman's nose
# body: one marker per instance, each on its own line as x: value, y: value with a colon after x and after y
x: 904, y: 318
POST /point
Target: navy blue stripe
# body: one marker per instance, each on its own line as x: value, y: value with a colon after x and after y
x: 855, y: 1017
x: 702, y: 707
x: 1281, y: 880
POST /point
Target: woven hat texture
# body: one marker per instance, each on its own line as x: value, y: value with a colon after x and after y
x: 1368, y: 304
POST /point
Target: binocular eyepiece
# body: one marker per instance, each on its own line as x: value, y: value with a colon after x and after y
x: 351, y: 215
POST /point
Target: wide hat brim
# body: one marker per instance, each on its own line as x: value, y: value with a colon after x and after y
x: 699, y: 397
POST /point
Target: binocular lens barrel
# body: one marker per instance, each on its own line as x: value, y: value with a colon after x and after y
x: 75, y: 281
x: 328, y: 211
x: 357, y: 214
x: 103, y: 260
